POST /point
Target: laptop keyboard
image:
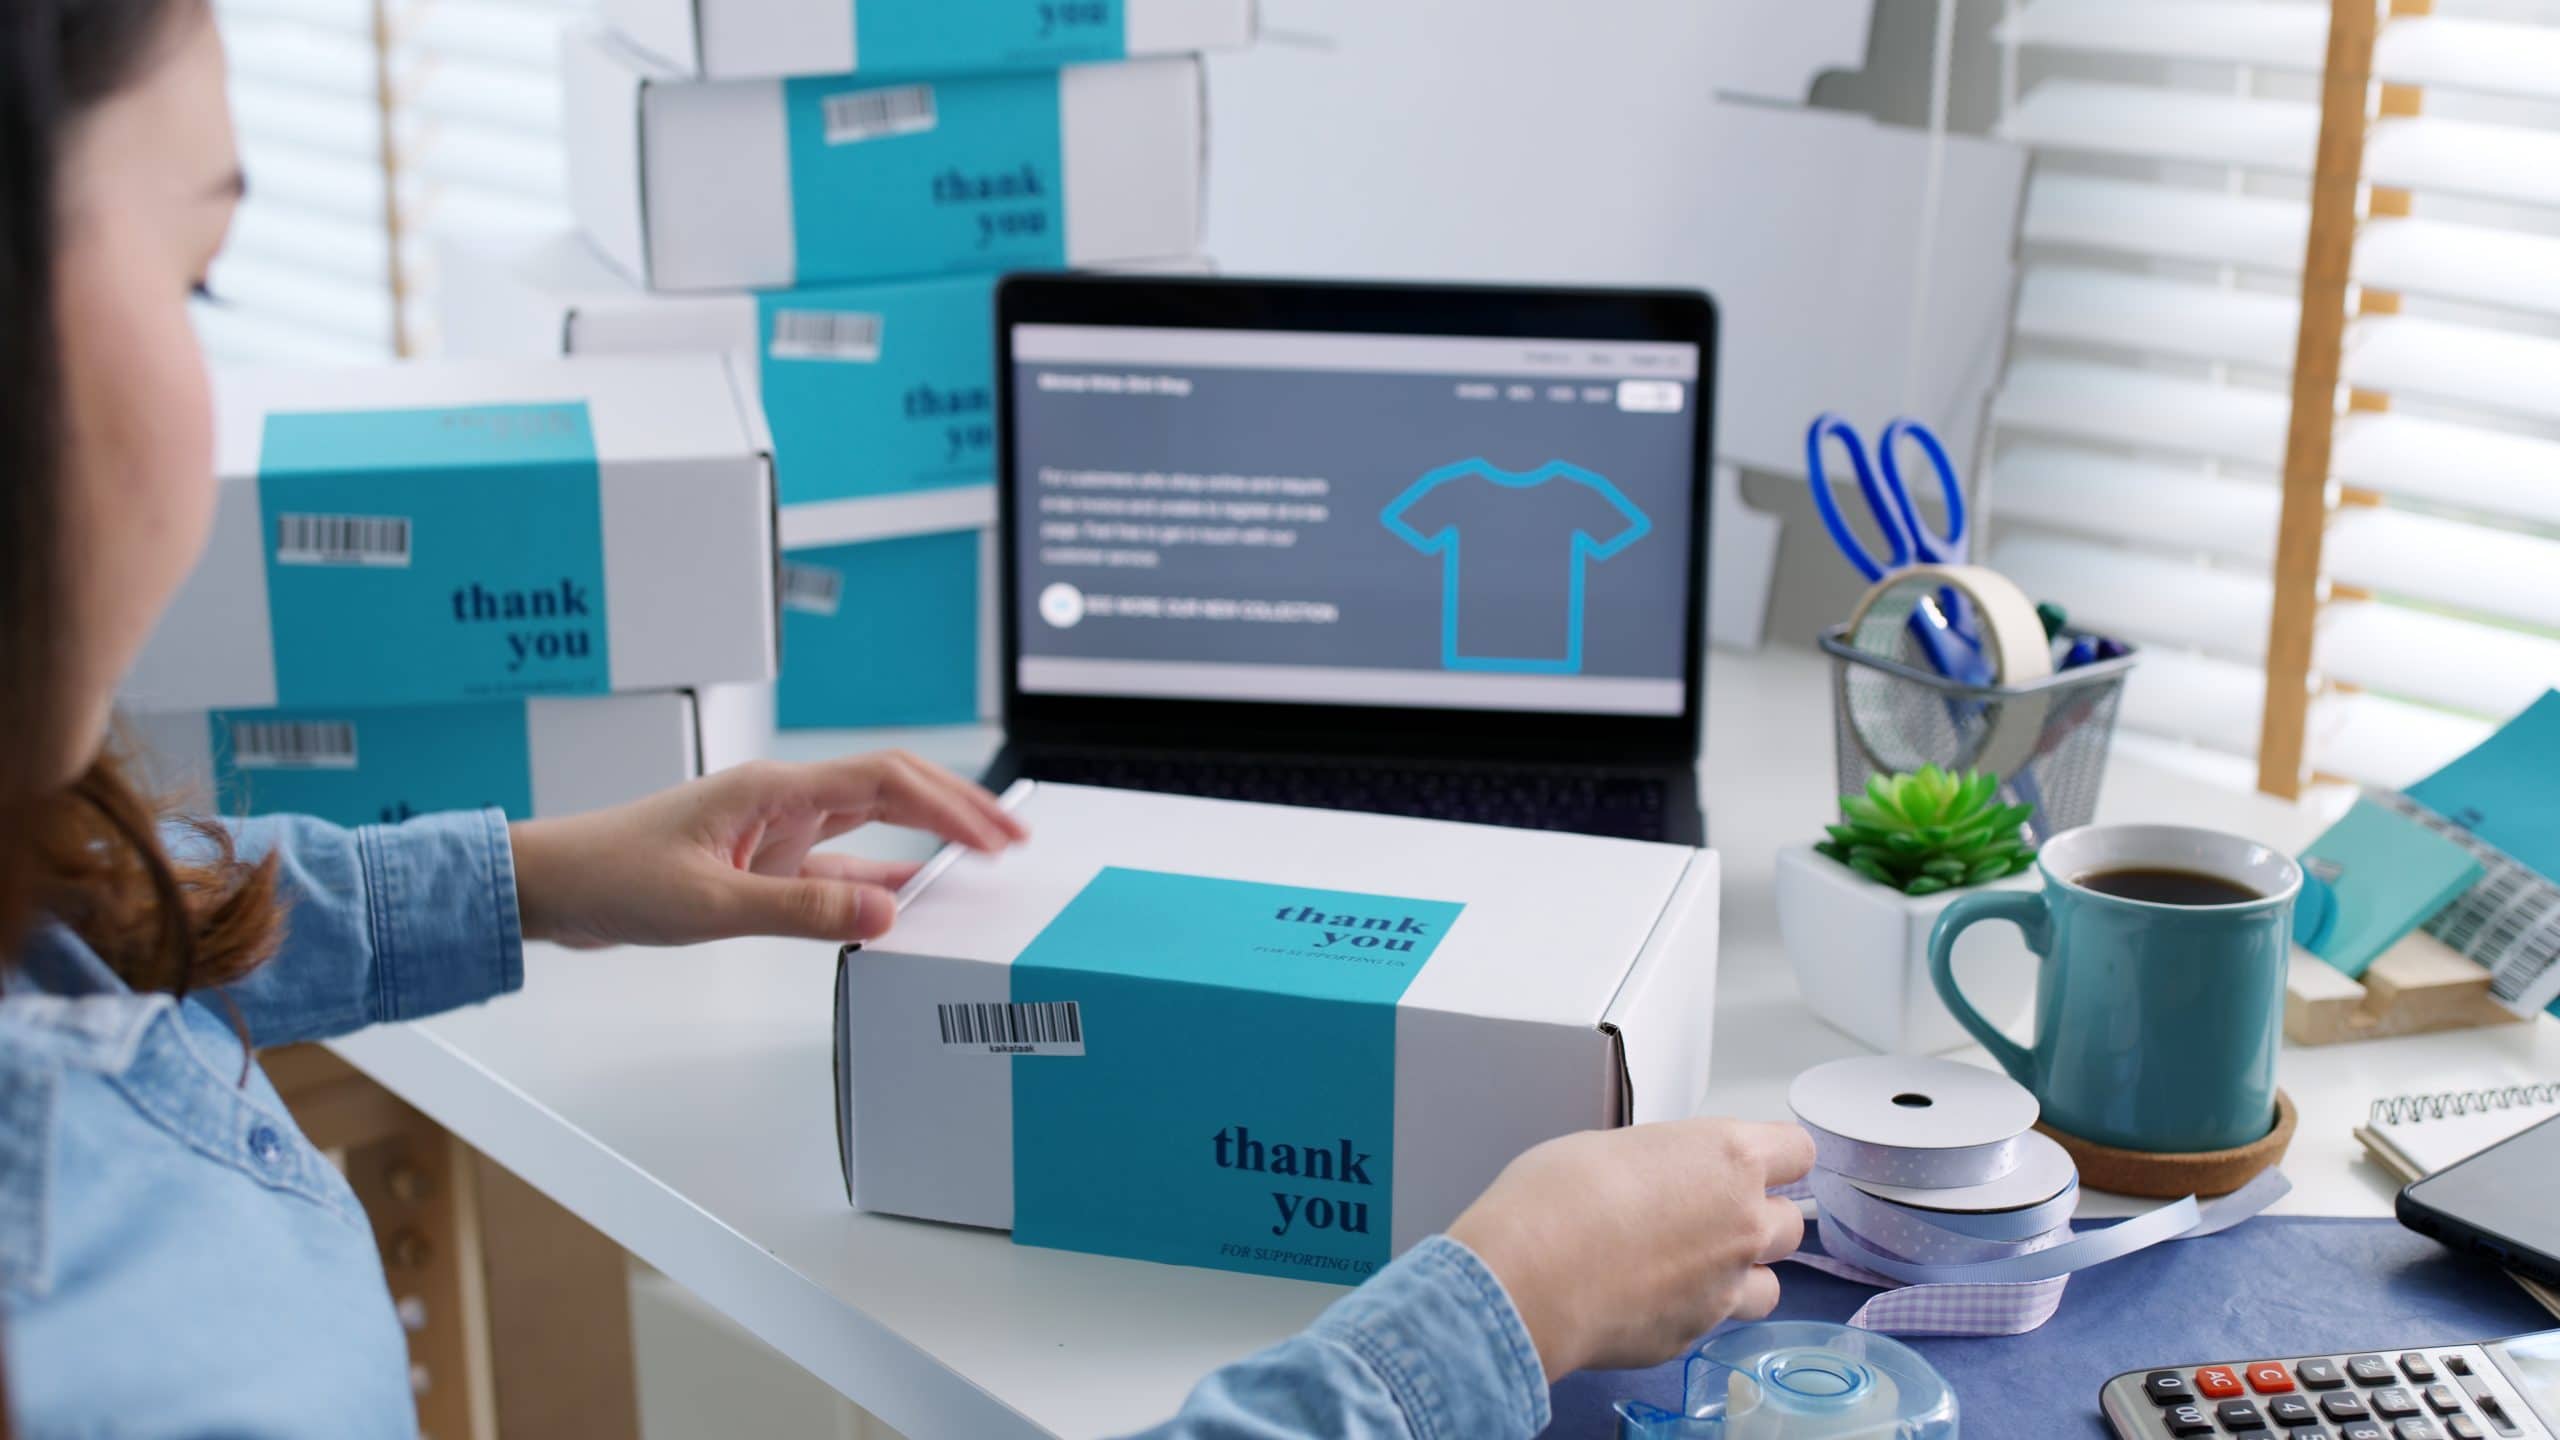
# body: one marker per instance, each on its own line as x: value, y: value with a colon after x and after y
x: 1583, y: 801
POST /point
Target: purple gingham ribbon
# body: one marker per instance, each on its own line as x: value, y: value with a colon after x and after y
x: 1954, y: 1306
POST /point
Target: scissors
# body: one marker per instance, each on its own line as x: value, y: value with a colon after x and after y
x: 1945, y: 631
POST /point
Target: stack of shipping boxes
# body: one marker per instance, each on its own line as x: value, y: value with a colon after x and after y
x: 827, y: 191
x: 442, y: 586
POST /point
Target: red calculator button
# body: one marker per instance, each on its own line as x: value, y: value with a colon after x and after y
x: 2269, y: 1378
x: 2214, y: 1382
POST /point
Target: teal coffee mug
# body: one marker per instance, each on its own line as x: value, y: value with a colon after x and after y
x: 2160, y: 988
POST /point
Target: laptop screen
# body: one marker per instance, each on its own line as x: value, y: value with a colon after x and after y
x: 1441, y: 522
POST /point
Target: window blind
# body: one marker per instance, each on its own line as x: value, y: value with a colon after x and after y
x: 368, y: 128
x: 2142, y: 424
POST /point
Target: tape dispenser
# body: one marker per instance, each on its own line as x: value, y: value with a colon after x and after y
x: 1800, y: 1380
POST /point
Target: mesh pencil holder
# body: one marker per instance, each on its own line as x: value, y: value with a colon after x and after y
x: 2047, y: 740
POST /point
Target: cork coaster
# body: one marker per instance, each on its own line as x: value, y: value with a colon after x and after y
x: 2168, y: 1176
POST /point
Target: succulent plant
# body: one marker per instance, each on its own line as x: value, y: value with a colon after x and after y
x: 1930, y: 831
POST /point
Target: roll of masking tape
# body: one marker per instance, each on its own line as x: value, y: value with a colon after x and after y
x: 1894, y: 736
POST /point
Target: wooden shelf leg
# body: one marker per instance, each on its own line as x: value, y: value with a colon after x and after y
x: 518, y: 1313
x: 559, y: 1316
x: 419, y: 1187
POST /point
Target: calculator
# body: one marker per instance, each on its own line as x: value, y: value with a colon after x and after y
x: 2495, y: 1390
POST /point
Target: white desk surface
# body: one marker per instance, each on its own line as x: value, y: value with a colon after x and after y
x: 680, y: 1102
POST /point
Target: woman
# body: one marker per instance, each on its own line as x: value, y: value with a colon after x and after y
x: 175, y: 1259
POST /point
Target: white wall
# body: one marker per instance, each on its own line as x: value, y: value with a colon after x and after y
x: 1537, y: 140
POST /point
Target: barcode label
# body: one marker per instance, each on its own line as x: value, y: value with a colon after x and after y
x: 342, y: 540
x: 812, y: 589
x: 1040, y: 1027
x: 293, y: 745
x: 848, y: 336
x: 860, y: 115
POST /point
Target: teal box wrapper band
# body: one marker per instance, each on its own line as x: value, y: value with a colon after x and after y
x: 959, y: 36
x: 894, y: 641
x: 1234, y: 1104
x: 429, y: 555
x: 924, y: 178
x: 368, y: 767
x: 879, y: 389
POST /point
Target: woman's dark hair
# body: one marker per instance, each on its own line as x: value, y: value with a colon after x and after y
x: 89, y: 852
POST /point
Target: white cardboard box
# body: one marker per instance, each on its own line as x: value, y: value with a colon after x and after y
x: 431, y: 533
x: 721, y: 184
x: 367, y: 766
x: 888, y: 429
x: 1259, y: 1038
x: 880, y: 397
x: 729, y: 39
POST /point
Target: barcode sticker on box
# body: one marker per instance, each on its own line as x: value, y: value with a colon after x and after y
x: 293, y: 745
x: 1040, y: 1027
x: 812, y: 589
x: 371, y: 540
x: 859, y: 115
x: 848, y: 336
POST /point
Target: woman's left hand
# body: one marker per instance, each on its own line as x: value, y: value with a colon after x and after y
x: 729, y: 854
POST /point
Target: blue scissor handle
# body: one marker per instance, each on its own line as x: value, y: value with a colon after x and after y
x: 1932, y: 548
x: 1935, y: 549
x: 1898, y: 548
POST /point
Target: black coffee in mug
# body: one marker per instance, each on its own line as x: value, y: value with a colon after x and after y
x: 2167, y: 885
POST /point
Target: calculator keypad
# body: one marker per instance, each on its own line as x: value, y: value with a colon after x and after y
x: 2404, y: 1395
x: 2167, y: 1387
x: 2239, y: 1415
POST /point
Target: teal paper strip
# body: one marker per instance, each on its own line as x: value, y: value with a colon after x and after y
x: 1234, y: 1104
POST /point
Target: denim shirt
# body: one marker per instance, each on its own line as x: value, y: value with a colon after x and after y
x: 177, y: 1260
x: 1429, y: 1348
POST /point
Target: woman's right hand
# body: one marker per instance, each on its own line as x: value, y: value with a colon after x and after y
x: 1619, y: 1247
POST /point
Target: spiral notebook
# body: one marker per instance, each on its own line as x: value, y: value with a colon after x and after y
x: 2414, y: 1136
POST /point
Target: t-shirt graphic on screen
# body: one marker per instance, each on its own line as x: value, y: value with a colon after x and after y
x: 1513, y: 550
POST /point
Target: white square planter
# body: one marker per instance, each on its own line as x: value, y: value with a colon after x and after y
x: 1861, y: 953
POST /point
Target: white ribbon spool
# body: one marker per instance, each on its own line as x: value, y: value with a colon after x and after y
x: 1931, y: 1183
x: 1904, y: 1121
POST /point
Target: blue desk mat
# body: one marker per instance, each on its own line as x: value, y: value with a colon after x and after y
x: 2275, y: 1286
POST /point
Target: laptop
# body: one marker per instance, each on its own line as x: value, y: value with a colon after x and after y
x: 1419, y: 550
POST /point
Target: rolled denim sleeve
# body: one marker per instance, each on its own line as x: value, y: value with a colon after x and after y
x: 385, y: 922
x: 1431, y: 1348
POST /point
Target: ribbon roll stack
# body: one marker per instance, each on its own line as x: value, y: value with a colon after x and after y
x: 1930, y: 1180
